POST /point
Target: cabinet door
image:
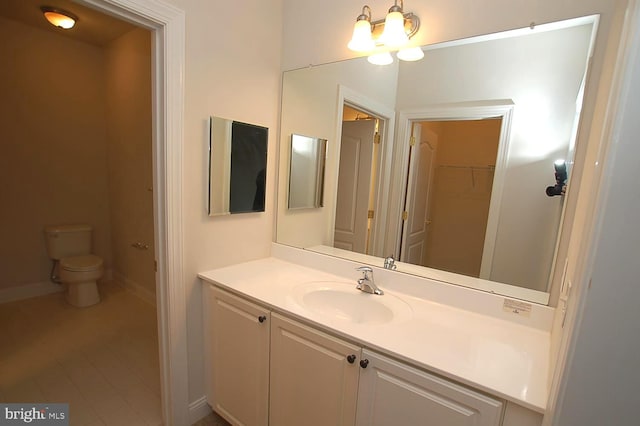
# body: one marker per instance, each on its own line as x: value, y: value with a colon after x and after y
x: 314, y: 376
x: 392, y: 393
x: 237, y: 340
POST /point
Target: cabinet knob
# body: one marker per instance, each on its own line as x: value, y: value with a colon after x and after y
x: 262, y: 318
x: 364, y: 363
x: 351, y: 359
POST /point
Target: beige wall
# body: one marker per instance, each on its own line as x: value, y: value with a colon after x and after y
x: 53, y: 147
x: 128, y: 95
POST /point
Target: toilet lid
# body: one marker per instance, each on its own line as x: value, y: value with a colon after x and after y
x: 81, y: 263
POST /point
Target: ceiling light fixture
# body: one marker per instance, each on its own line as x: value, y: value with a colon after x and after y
x: 59, y: 18
x: 393, y: 32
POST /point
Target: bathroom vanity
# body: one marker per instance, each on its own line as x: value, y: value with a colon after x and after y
x: 288, y: 343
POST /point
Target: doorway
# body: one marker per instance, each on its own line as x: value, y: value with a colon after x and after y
x: 449, y: 184
x: 167, y: 26
x: 463, y: 112
x: 354, y: 228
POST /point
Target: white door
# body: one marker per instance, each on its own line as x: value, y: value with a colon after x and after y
x: 354, y: 180
x: 237, y: 357
x: 392, y: 393
x: 416, y: 226
x: 314, y: 376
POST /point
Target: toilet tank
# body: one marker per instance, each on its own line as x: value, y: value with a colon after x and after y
x: 67, y: 240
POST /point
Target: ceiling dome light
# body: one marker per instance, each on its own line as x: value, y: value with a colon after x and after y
x: 362, y: 41
x: 59, y: 18
x: 410, y: 54
x: 383, y: 58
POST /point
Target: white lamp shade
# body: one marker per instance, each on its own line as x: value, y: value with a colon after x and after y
x: 383, y: 58
x: 394, y: 34
x: 361, y: 41
x: 410, y: 54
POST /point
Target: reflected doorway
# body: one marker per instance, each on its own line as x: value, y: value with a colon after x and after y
x: 357, y: 180
x: 449, y: 184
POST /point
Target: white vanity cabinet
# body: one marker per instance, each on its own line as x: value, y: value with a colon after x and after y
x: 237, y: 357
x: 391, y: 392
x: 314, y: 376
x: 264, y: 368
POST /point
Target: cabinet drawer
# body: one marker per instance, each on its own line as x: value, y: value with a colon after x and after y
x: 394, y: 393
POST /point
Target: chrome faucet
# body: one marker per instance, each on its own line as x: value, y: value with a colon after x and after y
x: 389, y: 263
x: 366, y: 283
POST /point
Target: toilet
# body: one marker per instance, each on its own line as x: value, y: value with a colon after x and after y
x: 70, y: 248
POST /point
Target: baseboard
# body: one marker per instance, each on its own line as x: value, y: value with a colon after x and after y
x: 28, y: 291
x: 135, y: 288
x: 198, y: 409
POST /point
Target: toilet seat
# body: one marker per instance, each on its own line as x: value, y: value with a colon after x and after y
x: 81, y: 263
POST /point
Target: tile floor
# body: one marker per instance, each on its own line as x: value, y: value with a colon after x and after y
x: 102, y: 360
x: 211, y: 420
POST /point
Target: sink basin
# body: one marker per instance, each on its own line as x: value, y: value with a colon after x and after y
x: 342, y: 301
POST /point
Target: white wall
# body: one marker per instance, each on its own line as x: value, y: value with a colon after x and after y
x: 53, y: 165
x: 602, y: 376
x: 233, y: 57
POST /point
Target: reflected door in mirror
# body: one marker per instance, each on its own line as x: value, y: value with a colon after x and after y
x: 354, y: 186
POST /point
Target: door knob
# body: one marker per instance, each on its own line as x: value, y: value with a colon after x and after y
x: 262, y: 318
x: 351, y: 359
x: 364, y: 363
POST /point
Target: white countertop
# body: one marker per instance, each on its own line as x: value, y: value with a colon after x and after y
x: 503, y: 358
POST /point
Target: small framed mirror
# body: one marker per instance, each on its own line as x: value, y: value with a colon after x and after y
x: 237, y: 167
x: 306, y: 172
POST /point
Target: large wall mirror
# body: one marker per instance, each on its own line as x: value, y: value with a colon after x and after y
x: 237, y: 167
x: 464, y: 147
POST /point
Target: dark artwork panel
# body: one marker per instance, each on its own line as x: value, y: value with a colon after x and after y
x: 248, y: 167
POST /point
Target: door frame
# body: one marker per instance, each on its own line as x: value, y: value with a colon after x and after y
x: 449, y: 112
x: 357, y: 100
x: 167, y: 25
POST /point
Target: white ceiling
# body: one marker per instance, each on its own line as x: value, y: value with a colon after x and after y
x: 92, y: 27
